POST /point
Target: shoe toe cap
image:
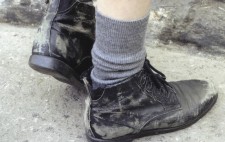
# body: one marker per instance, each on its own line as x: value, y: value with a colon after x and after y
x: 195, y: 96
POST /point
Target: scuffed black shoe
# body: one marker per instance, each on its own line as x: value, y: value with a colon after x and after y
x: 145, y: 104
x: 64, y: 41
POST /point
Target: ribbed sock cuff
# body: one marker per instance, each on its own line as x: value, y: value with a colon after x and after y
x: 119, y: 50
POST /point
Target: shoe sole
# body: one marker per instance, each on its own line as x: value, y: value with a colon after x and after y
x: 56, y: 68
x: 130, y: 138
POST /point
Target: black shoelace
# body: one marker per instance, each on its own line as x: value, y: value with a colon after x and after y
x: 158, y: 78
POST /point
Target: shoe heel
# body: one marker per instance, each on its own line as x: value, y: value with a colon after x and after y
x: 54, y: 67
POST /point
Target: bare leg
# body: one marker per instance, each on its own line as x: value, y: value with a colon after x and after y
x: 121, y: 9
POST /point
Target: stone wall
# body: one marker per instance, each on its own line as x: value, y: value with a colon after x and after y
x: 190, y: 23
x: 194, y: 23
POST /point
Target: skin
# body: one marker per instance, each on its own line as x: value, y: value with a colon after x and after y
x: 125, y: 10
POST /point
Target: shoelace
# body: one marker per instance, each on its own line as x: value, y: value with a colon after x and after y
x: 157, y: 77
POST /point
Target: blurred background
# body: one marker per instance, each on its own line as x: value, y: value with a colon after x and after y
x: 199, y: 23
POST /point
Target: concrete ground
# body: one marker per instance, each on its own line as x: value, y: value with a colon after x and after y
x: 37, y: 108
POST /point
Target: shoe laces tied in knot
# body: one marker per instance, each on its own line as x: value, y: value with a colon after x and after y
x: 157, y: 77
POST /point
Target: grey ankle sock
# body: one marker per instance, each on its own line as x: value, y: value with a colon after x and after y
x: 118, y: 52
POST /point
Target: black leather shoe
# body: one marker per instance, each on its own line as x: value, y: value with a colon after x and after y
x: 145, y: 104
x: 64, y: 41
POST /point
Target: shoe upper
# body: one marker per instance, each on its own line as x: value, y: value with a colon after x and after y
x: 146, y: 102
x: 67, y: 33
